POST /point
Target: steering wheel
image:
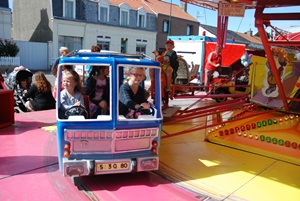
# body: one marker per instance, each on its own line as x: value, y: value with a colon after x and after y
x: 143, y: 111
x: 76, y: 110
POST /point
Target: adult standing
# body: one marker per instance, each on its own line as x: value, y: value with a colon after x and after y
x: 63, y: 52
x: 214, y: 60
x: 88, y: 69
x: 95, y: 48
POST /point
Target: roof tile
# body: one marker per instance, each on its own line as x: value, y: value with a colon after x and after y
x: 157, y: 7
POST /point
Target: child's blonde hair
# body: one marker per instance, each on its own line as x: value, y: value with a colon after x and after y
x: 76, y: 78
x: 133, y: 68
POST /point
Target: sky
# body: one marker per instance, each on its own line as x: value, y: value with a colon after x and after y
x: 236, y: 24
x: 241, y: 24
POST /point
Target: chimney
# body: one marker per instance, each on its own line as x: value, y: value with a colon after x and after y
x: 250, y: 32
x: 183, y: 6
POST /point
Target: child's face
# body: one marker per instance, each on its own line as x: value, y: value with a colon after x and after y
x: 105, y: 71
x: 23, y: 83
x: 68, y: 83
x: 169, y: 47
x: 137, y: 76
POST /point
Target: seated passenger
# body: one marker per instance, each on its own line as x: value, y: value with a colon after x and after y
x: 72, y: 93
x: 40, y: 94
x: 169, y: 64
x: 54, y: 72
x: 23, y: 85
x: 98, y: 90
x: 132, y: 95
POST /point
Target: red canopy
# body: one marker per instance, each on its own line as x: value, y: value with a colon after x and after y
x: 291, y: 37
x: 230, y: 54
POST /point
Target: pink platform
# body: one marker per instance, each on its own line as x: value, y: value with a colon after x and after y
x: 29, y: 170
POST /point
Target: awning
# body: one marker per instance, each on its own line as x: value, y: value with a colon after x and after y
x: 230, y: 54
x: 289, y: 37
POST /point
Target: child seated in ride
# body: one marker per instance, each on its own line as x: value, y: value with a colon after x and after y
x: 97, y: 88
x: 167, y: 59
x: 132, y: 95
x: 71, y: 95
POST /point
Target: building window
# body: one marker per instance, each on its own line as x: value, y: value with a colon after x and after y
x: 104, y: 42
x: 124, y: 14
x: 124, y: 18
x: 69, y: 8
x: 124, y: 45
x: 165, y: 26
x: 103, y: 11
x: 73, y: 43
x: 141, y: 23
x: 189, y: 30
x: 103, y: 14
x: 141, y: 46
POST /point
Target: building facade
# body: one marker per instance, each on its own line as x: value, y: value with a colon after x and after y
x: 5, y: 20
x: 129, y: 26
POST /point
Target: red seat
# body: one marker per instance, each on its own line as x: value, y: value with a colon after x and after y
x: 87, y: 102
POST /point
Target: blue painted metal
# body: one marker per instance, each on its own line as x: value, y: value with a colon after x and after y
x: 116, y: 61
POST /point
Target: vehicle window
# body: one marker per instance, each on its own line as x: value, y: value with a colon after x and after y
x: 135, y: 98
x: 85, y: 93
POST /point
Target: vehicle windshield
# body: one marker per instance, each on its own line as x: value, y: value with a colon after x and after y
x: 98, y: 98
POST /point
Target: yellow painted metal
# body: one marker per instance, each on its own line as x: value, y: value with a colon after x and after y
x: 225, y: 173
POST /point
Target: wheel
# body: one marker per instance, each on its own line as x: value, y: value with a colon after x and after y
x: 221, y: 91
x: 76, y: 110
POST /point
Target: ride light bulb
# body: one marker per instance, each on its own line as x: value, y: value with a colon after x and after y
x: 66, y: 154
x: 67, y: 147
x: 154, y: 143
x: 154, y: 150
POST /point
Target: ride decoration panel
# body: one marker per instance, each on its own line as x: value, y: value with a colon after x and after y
x: 275, y: 135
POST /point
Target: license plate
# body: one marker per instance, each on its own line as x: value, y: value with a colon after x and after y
x: 112, y: 166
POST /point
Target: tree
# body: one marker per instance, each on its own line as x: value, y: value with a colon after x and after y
x: 8, y: 48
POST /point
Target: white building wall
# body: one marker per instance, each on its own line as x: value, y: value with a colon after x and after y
x: 207, y: 33
x: 40, y: 51
x: 5, y: 23
x: 89, y: 33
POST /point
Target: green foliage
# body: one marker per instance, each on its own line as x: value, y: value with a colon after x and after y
x: 8, y: 48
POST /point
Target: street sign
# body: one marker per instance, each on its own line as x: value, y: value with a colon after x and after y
x: 231, y: 9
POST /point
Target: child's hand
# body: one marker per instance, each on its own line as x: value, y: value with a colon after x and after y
x: 155, y: 53
x: 77, y: 103
x: 146, y: 106
x: 103, y: 104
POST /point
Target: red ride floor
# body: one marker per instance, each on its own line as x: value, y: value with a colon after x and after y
x: 29, y: 170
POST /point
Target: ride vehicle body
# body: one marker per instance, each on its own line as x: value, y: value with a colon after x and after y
x: 110, y: 143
